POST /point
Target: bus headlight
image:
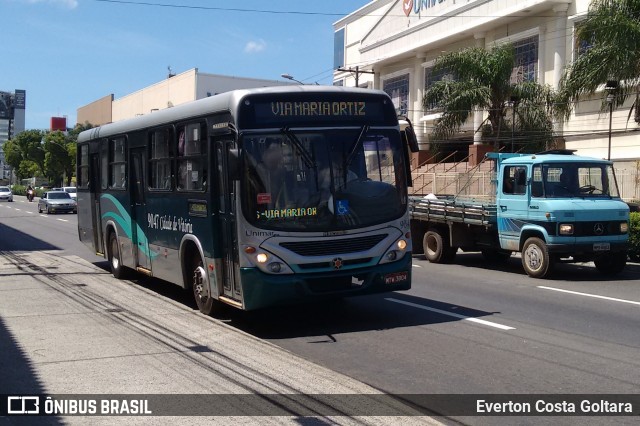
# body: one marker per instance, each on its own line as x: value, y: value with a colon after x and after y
x: 395, y: 252
x: 269, y: 263
x: 566, y: 229
x: 275, y: 267
x: 624, y: 227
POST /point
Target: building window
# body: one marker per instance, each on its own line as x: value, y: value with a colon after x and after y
x: 580, y: 45
x: 526, y: 68
x: 338, y: 49
x: 431, y: 77
x: 398, y: 89
x: 117, y: 165
x: 192, y: 157
x: 160, y: 159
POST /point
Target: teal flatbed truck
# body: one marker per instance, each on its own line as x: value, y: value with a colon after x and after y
x: 551, y: 207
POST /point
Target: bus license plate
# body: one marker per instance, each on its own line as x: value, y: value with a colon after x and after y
x: 396, y: 277
x: 601, y: 246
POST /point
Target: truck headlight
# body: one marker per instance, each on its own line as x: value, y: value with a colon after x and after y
x: 566, y: 229
x: 624, y: 227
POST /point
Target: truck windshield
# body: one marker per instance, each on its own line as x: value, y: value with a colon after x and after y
x: 322, y: 180
x: 568, y: 180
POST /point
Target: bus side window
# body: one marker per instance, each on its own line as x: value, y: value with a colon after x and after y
x: 160, y: 159
x: 192, y: 158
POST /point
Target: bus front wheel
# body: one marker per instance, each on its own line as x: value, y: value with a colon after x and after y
x: 201, y: 288
x: 115, y: 259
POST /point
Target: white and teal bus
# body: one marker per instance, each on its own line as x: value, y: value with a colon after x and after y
x: 254, y: 197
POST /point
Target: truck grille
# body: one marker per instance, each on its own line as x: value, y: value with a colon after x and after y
x: 596, y: 229
x: 330, y: 247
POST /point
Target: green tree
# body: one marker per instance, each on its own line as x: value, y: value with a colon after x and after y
x: 612, y: 32
x: 25, y: 154
x: 57, y: 159
x: 482, y: 79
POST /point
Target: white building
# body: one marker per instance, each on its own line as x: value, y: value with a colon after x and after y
x: 392, y: 45
x: 175, y: 90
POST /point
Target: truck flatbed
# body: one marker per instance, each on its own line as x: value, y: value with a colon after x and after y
x: 453, y: 210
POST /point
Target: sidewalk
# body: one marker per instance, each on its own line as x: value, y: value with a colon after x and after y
x: 68, y: 327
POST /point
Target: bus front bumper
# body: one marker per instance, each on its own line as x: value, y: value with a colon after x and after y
x: 261, y: 290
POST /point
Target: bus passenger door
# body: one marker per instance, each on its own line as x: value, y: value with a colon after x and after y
x: 95, y: 188
x: 139, y: 208
x: 225, y: 191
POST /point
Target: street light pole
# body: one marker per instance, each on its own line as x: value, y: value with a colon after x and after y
x: 610, y: 88
x: 610, y: 120
x: 290, y: 77
x: 514, y: 103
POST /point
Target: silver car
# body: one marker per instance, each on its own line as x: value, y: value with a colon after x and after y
x: 6, y: 194
x: 57, y: 201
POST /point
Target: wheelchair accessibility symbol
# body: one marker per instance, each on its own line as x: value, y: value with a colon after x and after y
x: 342, y: 207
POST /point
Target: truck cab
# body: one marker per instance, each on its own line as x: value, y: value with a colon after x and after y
x: 557, y: 206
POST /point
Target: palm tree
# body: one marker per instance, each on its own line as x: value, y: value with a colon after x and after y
x: 483, y: 79
x: 612, y: 31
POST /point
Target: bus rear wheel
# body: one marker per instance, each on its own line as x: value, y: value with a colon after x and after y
x: 201, y: 288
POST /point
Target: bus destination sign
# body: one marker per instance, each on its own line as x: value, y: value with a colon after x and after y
x: 315, y: 111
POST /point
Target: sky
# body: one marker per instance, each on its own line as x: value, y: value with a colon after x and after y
x: 69, y: 53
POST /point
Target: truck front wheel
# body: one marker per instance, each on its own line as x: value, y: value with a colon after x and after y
x: 535, y: 258
x: 436, y: 247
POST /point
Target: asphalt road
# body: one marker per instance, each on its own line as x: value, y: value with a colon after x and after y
x: 466, y: 328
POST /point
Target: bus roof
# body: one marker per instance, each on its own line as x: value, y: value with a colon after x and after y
x: 227, y: 101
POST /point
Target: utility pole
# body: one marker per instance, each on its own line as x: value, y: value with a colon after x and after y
x: 355, y: 71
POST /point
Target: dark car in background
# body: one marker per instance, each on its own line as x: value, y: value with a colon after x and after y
x: 57, y: 201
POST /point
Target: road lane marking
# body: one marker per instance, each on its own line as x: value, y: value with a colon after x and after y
x: 416, y: 266
x: 596, y: 296
x: 451, y: 314
x: 63, y: 220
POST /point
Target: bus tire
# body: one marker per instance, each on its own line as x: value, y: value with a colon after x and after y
x: 436, y: 247
x: 201, y: 288
x: 611, y: 264
x: 115, y: 259
x: 535, y: 258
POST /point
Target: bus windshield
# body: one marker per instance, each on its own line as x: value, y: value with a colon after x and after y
x: 568, y: 180
x: 322, y: 180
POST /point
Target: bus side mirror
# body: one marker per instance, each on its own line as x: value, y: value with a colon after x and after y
x: 408, y: 134
x: 233, y: 163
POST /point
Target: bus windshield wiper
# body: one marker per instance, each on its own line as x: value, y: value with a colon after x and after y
x: 356, y: 145
x: 304, y: 154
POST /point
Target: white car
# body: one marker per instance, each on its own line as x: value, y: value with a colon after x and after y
x: 71, y: 190
x: 6, y: 194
